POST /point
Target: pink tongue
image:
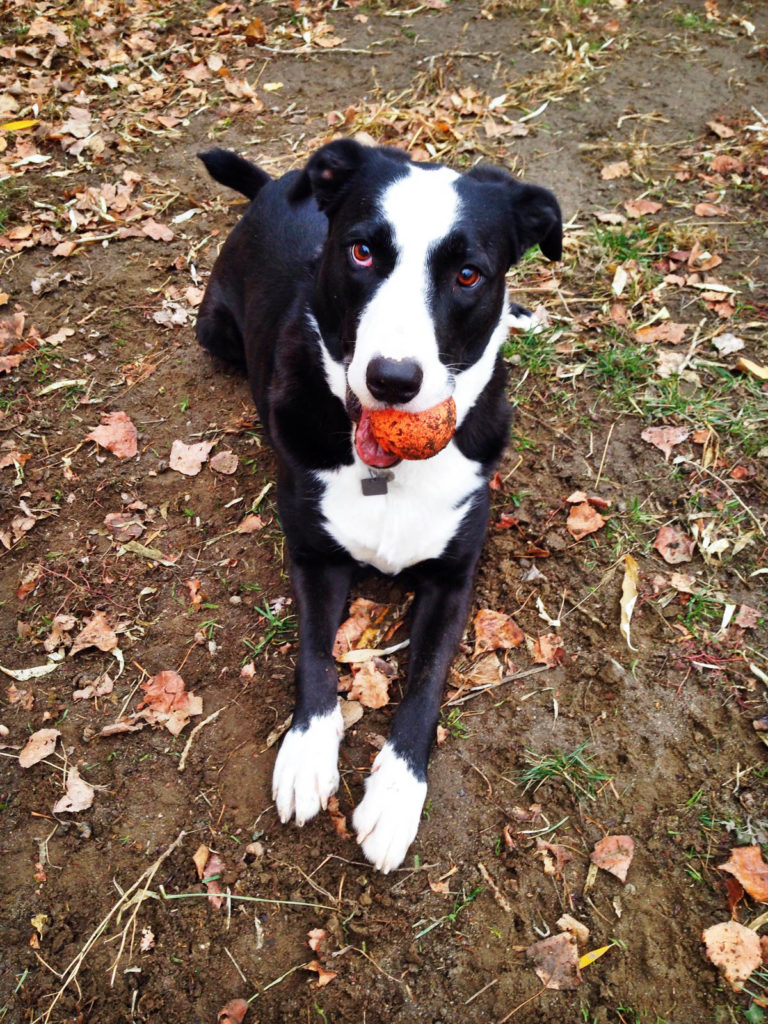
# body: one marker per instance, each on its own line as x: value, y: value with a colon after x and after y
x: 368, y: 448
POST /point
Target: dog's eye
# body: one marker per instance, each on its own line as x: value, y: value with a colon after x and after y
x: 361, y: 254
x: 468, y: 277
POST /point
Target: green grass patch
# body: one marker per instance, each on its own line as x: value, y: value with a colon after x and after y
x: 575, y: 769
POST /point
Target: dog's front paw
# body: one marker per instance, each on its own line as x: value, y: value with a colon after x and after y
x: 387, y: 818
x: 307, y: 768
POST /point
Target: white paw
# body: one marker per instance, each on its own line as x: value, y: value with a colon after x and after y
x: 307, y: 768
x: 387, y: 818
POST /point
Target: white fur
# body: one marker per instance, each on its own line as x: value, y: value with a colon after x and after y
x: 417, y: 517
x: 420, y: 209
x: 306, y: 771
x: 387, y: 818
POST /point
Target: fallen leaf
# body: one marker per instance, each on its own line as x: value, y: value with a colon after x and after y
x: 39, y: 745
x: 147, y: 941
x: 747, y: 865
x: 200, y: 859
x: 592, y: 955
x: 225, y: 462
x: 556, y: 961
x: 250, y: 524
x: 338, y: 818
x: 370, y: 684
x: 214, y: 867
x: 548, y: 650
x: 195, y: 597
x: 669, y: 363
x: 117, y: 434
x: 167, y: 702
x: 363, y: 615
x: 255, y: 32
x: 735, y: 949
x: 102, y: 686
x: 755, y: 369
x: 561, y: 856
x: 78, y: 795
x: 673, y: 545
x: 580, y: 932
x: 21, y: 675
x: 323, y: 977
x: 614, y: 854
x: 641, y: 207
x: 315, y: 938
x: 726, y: 344
x: 619, y: 169
x: 96, y: 633
x: 61, y: 624
x: 710, y: 210
x: 29, y: 581
x: 124, y: 525
x: 721, y: 130
x: 748, y: 617
x: 668, y: 332
x: 233, y: 1013
x: 665, y: 438
x: 189, y: 458
x: 495, y: 631
x: 628, y: 597
x: 583, y: 520
x: 157, y: 232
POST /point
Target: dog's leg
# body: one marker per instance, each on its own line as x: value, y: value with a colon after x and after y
x: 217, y: 330
x: 306, y: 770
x: 387, y: 819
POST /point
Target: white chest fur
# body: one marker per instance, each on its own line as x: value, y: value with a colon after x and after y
x: 415, y: 520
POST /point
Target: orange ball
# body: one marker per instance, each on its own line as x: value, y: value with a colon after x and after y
x: 414, y: 435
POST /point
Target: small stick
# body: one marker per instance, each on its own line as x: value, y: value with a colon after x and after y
x: 195, y: 731
x: 480, y: 991
x: 605, y: 453
x: 498, y: 895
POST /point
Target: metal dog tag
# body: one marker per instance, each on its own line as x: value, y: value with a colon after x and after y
x: 376, y: 483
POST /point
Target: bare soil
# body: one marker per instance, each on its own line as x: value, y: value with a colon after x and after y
x: 668, y: 723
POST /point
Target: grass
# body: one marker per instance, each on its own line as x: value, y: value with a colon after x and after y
x: 280, y: 629
x: 575, y: 769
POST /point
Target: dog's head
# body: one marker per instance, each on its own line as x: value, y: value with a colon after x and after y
x: 412, y: 297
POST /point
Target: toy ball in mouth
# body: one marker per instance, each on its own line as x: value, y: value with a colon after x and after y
x: 385, y: 435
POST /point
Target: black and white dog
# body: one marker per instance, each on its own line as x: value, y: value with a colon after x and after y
x: 364, y: 281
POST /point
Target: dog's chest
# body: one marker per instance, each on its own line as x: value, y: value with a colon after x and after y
x: 417, y: 517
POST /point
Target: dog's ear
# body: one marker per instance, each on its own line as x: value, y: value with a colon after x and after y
x: 537, y: 220
x: 328, y: 173
x: 534, y: 213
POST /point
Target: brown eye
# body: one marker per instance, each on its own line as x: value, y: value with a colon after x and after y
x: 468, y: 277
x: 361, y: 254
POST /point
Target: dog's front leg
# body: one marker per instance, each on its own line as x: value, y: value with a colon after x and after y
x: 306, y: 770
x: 387, y: 819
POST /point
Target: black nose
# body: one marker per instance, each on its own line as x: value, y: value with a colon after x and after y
x: 394, y: 381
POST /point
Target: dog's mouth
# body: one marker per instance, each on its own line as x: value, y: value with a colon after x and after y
x: 366, y: 445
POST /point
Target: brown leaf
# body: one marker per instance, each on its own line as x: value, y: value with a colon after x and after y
x: 117, y: 434
x: 214, y: 866
x: 548, y: 650
x: 124, y: 525
x: 641, y: 207
x: 189, y: 458
x: 323, y: 976
x: 668, y: 331
x: 748, y: 617
x: 583, y: 520
x: 255, y: 32
x: 746, y: 863
x: 315, y: 938
x: 665, y: 438
x: 495, y: 631
x: 338, y: 818
x: 556, y: 961
x: 620, y: 169
x: 233, y: 1013
x: 755, y: 369
x: 224, y: 462
x: 96, y: 633
x: 39, y: 745
x: 78, y: 795
x: 200, y: 858
x: 673, y: 545
x: 250, y: 524
x: 721, y: 130
x: 157, y: 232
x: 735, y: 949
x: 614, y: 854
x: 363, y: 615
x: 102, y: 686
x: 168, y: 703
x: 370, y: 684
x: 710, y: 210
x: 29, y: 581
x: 560, y: 853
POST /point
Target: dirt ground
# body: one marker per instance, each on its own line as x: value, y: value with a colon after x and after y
x: 109, y: 228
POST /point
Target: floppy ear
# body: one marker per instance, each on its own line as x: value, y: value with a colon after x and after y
x: 328, y: 173
x: 537, y: 220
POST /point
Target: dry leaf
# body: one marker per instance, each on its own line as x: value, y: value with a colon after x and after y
x: 250, y: 524
x: 117, y: 434
x: 338, y: 818
x: 665, y: 438
x: 673, y: 545
x: 39, y: 745
x: 735, y: 949
x: 147, y: 941
x: 755, y: 369
x: 78, y: 795
x: 225, y: 462
x: 620, y: 169
x: 315, y: 938
x: 710, y: 210
x: 61, y: 624
x: 583, y: 520
x: 214, y: 867
x: 124, y: 525
x: 495, y: 631
x: 168, y: 703
x: 255, y: 32
x: 157, y: 232
x: 548, y: 650
x: 628, y: 597
x: 370, y: 683
x: 233, y: 1013
x: 189, y: 458
x: 721, y: 130
x: 748, y: 617
x: 747, y: 865
x: 363, y: 615
x: 640, y: 207
x: 580, y: 932
x: 668, y: 331
x: 323, y: 976
x: 556, y: 961
x: 200, y: 858
x: 614, y: 854
x: 561, y: 856
x: 726, y: 344
x: 102, y: 686
x: 96, y: 633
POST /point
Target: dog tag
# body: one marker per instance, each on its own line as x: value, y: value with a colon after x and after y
x: 374, y: 485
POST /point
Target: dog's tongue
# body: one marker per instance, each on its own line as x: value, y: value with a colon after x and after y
x: 368, y: 448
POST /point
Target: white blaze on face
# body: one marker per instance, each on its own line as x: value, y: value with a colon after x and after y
x: 421, y: 209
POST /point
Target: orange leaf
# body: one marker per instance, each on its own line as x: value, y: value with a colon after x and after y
x: 747, y: 865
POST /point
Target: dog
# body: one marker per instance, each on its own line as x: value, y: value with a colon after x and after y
x: 364, y: 281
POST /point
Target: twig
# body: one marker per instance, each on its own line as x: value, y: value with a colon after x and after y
x: 605, y: 453
x: 477, y: 690
x: 525, y: 1002
x: 195, y: 731
x: 70, y: 974
x: 480, y: 991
